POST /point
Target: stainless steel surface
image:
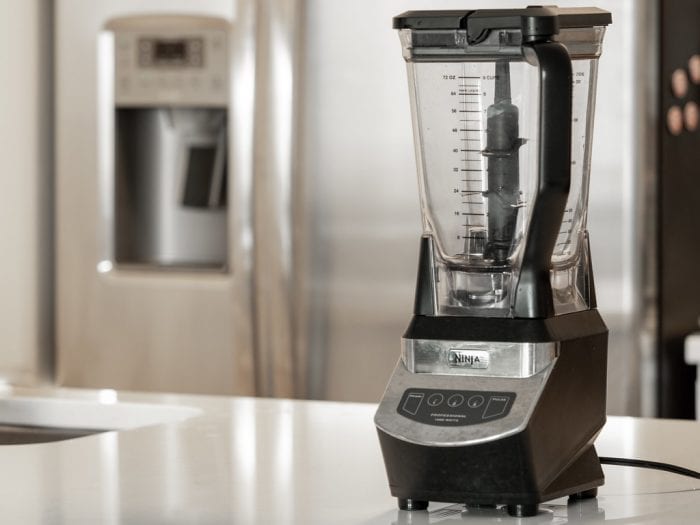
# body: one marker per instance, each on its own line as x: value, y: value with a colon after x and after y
x: 426, y: 356
x: 167, y: 125
x: 357, y: 156
x: 181, y: 331
x: 642, y: 322
x: 527, y: 392
x: 153, y: 224
x: 198, y: 78
x: 280, y: 230
x: 26, y: 192
x: 621, y: 204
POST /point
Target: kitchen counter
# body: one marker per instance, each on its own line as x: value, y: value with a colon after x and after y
x: 242, y: 460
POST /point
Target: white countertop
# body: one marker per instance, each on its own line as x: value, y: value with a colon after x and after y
x: 243, y: 460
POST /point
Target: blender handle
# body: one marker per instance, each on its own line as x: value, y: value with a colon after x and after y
x: 533, y: 295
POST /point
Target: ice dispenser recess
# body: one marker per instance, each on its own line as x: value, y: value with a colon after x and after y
x: 170, y: 123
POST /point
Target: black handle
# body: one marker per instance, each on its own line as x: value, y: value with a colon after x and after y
x: 533, y: 295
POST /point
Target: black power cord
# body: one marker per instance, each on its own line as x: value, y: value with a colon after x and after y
x: 643, y: 463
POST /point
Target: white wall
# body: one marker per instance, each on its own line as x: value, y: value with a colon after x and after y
x: 25, y: 184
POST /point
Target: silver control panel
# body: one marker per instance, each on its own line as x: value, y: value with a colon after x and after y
x: 170, y: 67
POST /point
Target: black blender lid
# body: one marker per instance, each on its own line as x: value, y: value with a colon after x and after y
x: 532, y: 21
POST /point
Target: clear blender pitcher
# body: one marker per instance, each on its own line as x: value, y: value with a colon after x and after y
x: 503, y: 200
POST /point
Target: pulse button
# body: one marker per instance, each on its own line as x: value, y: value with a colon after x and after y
x: 435, y: 399
x: 496, y: 406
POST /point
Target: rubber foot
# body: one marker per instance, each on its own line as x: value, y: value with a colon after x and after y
x: 586, y: 494
x: 412, y: 504
x: 524, y: 510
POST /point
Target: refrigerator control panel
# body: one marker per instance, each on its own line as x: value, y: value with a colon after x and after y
x: 171, y: 68
x: 453, y: 408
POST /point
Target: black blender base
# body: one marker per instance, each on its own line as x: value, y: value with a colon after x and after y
x: 580, y: 481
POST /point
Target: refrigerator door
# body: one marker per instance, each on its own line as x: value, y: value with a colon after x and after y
x: 157, y: 317
x: 26, y: 193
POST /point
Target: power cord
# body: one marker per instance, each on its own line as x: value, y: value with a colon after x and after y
x: 643, y: 463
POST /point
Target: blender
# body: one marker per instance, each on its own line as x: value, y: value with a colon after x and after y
x: 499, y: 392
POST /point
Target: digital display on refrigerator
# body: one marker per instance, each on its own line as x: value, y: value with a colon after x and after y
x: 171, y: 52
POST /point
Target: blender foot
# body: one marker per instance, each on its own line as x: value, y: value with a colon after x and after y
x: 412, y: 504
x: 524, y: 510
x: 585, y: 494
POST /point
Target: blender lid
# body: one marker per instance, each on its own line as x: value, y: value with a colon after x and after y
x: 533, y: 21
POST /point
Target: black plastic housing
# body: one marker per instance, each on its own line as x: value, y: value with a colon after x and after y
x: 552, y: 456
x: 534, y: 22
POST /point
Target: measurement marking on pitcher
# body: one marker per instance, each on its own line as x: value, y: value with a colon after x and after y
x: 469, y: 116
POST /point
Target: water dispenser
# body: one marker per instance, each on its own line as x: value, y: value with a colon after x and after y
x: 168, y: 203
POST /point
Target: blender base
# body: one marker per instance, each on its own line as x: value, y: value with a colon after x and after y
x: 539, y: 449
x: 580, y: 481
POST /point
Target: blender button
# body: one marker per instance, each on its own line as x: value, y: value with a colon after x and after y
x: 694, y: 68
x: 691, y: 116
x: 412, y: 403
x: 475, y: 401
x: 455, y: 400
x: 679, y: 83
x: 496, y: 407
x: 435, y: 399
x: 674, y: 120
